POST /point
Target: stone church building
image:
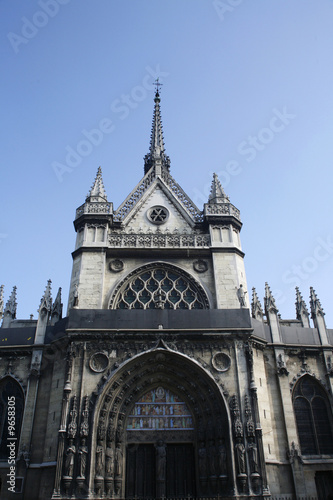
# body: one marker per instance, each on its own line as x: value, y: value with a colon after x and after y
x: 166, y: 377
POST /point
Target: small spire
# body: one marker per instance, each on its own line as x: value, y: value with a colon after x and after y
x: 97, y: 191
x: 11, y: 306
x: 217, y: 194
x: 46, y: 300
x: 316, y: 308
x: 56, y: 313
x: 156, y: 156
x: 1, y: 301
x: 256, y: 309
x: 269, y: 301
x: 301, y: 309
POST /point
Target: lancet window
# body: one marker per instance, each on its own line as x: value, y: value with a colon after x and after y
x: 313, y: 418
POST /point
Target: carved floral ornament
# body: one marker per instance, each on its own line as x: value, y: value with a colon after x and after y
x: 116, y: 265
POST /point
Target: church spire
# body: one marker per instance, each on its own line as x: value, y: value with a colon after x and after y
x: 97, y: 191
x: 217, y: 194
x: 156, y: 156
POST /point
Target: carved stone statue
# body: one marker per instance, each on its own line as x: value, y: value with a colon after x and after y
x: 241, y: 295
x: 240, y: 455
x: 70, y: 456
x: 83, y: 452
x: 99, y: 460
x: 118, y: 460
x: 109, y: 460
x: 253, y: 457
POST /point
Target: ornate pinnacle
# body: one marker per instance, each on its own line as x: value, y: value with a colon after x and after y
x: 269, y: 301
x: 256, y: 309
x: 316, y: 308
x: 97, y: 191
x: 46, y: 300
x: 217, y: 194
x: 301, y: 308
x: 57, y: 305
x: 10, y: 309
x: 156, y: 155
x: 1, y: 301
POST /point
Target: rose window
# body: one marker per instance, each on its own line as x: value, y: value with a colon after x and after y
x: 160, y: 288
x: 158, y: 215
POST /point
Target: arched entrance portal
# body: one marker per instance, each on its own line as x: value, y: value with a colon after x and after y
x: 160, y: 447
x: 161, y: 430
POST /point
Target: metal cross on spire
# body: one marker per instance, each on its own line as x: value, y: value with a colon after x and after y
x: 157, y: 84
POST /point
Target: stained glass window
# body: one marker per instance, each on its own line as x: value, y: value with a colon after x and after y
x: 312, y: 413
x: 160, y: 409
x: 158, y: 287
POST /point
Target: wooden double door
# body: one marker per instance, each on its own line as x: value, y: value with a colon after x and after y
x: 144, y: 479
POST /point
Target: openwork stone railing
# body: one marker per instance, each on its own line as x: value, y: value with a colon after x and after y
x: 147, y: 180
x: 135, y: 195
x: 222, y: 209
x: 155, y: 240
x: 94, y: 208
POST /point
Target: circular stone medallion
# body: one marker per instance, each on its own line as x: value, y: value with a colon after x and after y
x: 200, y: 266
x: 99, y: 362
x: 116, y: 265
x: 221, y: 362
x: 158, y: 214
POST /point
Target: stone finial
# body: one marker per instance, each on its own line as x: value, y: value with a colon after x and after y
x: 1, y: 301
x: 97, y: 191
x: 217, y: 194
x: 11, y: 306
x: 56, y: 312
x: 302, y: 313
x: 256, y: 309
x: 269, y: 301
x: 46, y: 301
x: 316, y: 308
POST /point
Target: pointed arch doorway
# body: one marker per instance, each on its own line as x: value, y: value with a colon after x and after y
x: 160, y: 447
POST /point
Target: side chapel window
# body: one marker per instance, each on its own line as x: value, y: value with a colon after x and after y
x: 313, y: 418
x: 9, y: 389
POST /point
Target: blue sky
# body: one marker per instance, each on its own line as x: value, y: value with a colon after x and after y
x: 247, y: 93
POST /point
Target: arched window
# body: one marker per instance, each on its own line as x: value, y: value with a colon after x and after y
x: 11, y: 405
x: 313, y: 418
x: 159, y: 286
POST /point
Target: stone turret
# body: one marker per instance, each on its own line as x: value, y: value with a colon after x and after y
x: 92, y: 223
x: 9, y: 313
x: 44, y: 313
x: 302, y: 313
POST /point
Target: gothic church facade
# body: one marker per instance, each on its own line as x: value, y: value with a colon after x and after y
x: 163, y: 380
